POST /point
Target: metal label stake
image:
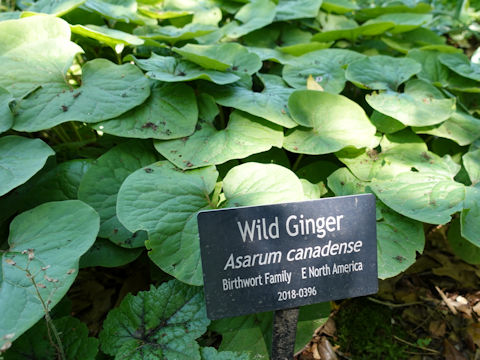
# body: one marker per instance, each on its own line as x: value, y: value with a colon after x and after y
x: 284, y: 333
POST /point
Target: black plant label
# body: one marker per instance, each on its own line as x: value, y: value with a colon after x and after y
x: 270, y: 257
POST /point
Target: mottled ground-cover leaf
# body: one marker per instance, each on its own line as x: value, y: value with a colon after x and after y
x: 210, y: 353
x: 327, y: 67
x: 170, y: 69
x: 120, y: 10
x: 462, y: 65
x: 107, y: 91
x: 34, y: 51
x: 296, y: 9
x: 20, y: 159
x: 253, y: 333
x: 244, y: 135
x: 432, y: 69
x: 381, y: 72
x: 421, y: 104
x: 270, y: 104
x: 48, y: 242
x: 170, y: 112
x: 107, y: 254
x: 73, y: 334
x: 164, y: 201
x: 55, y: 7
x: 331, y: 122
x: 161, y: 323
x: 105, y: 35
x: 229, y: 56
x: 260, y: 184
x: 172, y: 34
x: 6, y: 116
x: 460, y: 127
x: 102, y: 181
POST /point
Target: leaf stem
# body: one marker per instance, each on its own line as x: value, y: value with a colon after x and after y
x: 297, y: 162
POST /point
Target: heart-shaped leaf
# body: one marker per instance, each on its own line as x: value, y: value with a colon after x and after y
x: 296, y: 9
x: 462, y: 65
x: 106, y: 254
x: 270, y: 104
x: 30, y: 56
x: 229, y: 56
x: 105, y: 35
x: 244, y: 135
x: 164, y: 201
x: 6, y: 116
x: 381, y: 72
x: 327, y: 67
x: 172, y: 34
x: 57, y: 7
x: 20, y: 159
x: 35, y: 266
x: 332, y: 122
x: 161, y: 323
x: 420, y: 105
x: 170, y: 69
x: 102, y: 181
x: 120, y: 10
x: 169, y: 113
x: 107, y: 91
x: 471, y: 162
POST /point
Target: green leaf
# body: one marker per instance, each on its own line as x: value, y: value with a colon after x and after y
x: 471, y: 162
x: 426, y: 197
x: 160, y: 323
x: 164, y: 201
x: 274, y: 55
x: 107, y: 254
x: 101, y: 183
x: 381, y: 72
x: 252, y: 16
x: 172, y: 34
x: 460, y: 127
x: 120, y: 10
x: 325, y: 66
x: 432, y: 69
x: 170, y: 69
x: 10, y: 15
x: 462, y: 65
x: 339, y: 6
x: 73, y: 334
x: 385, y: 124
x: 6, y: 116
x: 20, y: 159
x: 55, y: 7
x: 461, y: 247
x: 398, y: 238
x: 253, y: 333
x: 405, y: 21
x: 60, y: 183
x: 54, y: 264
x: 229, y: 56
x: 169, y: 113
x: 107, y: 91
x: 107, y: 36
x: 394, y: 7
x: 296, y: 9
x: 270, y: 104
x: 210, y: 353
x: 244, y: 135
x: 34, y: 51
x: 353, y: 31
x: 420, y: 105
x: 260, y: 184
x: 333, y: 122
x: 470, y: 215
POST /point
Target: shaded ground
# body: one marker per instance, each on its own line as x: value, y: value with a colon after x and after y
x: 430, y: 312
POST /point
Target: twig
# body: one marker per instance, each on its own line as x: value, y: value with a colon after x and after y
x: 446, y: 300
x: 432, y: 351
x: 392, y: 305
